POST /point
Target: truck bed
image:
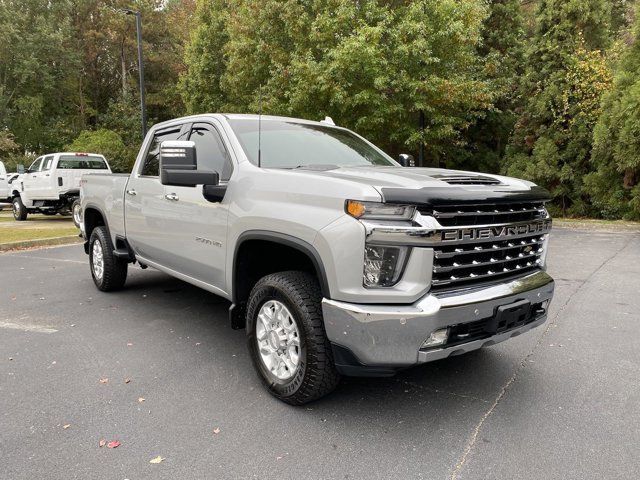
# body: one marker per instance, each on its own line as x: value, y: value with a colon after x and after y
x: 105, y: 192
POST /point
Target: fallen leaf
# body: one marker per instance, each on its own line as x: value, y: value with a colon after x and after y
x: 129, y: 344
x: 113, y: 444
x: 140, y: 399
x: 197, y: 344
x: 102, y: 443
x: 104, y: 380
x: 66, y: 426
x: 216, y: 430
x: 157, y: 459
x: 73, y: 324
x: 10, y: 358
x: 127, y: 380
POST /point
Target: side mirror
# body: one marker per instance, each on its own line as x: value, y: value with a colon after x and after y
x: 406, y: 160
x: 179, y: 165
x: 20, y: 169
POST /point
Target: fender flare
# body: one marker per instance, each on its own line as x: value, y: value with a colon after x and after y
x: 104, y: 218
x: 290, y: 241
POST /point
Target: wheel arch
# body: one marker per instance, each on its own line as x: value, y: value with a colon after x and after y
x: 253, y: 258
x: 93, y: 217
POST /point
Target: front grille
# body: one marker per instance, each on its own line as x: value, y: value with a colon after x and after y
x: 486, y: 214
x: 465, y: 263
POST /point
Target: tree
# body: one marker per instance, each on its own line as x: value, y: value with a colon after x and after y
x: 615, y: 185
x: 565, y: 77
x: 370, y: 65
x: 502, y: 55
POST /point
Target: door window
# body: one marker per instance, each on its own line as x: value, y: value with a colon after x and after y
x: 151, y: 165
x: 35, y: 166
x: 210, y: 150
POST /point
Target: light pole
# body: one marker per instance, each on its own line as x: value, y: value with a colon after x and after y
x: 143, y: 104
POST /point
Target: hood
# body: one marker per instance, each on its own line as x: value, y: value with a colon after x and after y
x: 430, y: 186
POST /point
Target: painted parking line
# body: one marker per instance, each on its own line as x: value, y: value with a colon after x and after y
x: 27, y: 328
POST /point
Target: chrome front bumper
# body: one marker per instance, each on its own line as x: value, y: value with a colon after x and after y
x: 392, y: 335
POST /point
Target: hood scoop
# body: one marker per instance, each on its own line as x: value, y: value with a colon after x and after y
x: 467, y: 179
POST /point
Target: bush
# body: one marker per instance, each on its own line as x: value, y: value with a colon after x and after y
x: 107, y: 143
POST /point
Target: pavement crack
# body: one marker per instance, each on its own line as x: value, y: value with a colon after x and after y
x: 503, y: 391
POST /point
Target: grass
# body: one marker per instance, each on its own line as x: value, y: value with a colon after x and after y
x: 36, y: 227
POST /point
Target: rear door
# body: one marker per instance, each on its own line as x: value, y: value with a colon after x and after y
x: 146, y: 209
x: 196, y: 239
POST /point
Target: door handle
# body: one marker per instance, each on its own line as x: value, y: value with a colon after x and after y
x: 172, y: 196
x: 131, y: 192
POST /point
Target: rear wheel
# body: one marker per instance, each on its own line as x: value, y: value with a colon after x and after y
x: 108, y: 271
x: 286, y: 337
x: 77, y: 213
x: 19, y: 210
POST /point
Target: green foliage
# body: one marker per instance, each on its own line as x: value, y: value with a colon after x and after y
x: 501, y: 51
x: 565, y: 77
x: 615, y: 185
x: 371, y: 65
x: 107, y: 143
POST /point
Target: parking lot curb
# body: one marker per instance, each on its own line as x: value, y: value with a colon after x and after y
x: 41, y: 242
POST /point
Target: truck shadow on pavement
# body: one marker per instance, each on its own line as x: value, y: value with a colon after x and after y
x: 448, y: 387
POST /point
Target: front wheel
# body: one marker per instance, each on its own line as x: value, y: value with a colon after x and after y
x: 19, y: 210
x: 108, y: 271
x: 76, y: 211
x: 287, y: 340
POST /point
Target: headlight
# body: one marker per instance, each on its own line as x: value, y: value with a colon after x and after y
x: 379, y: 211
x: 383, y: 265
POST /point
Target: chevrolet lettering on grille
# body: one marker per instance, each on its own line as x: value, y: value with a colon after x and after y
x: 497, y: 232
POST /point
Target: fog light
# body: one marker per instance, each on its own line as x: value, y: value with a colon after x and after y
x: 439, y: 337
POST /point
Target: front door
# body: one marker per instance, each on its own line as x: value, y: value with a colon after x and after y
x: 198, y: 234
x: 146, y: 208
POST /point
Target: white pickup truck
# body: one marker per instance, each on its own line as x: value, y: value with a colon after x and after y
x: 5, y: 193
x: 337, y: 259
x: 52, y: 184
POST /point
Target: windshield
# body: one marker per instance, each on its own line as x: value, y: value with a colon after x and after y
x: 287, y: 144
x: 82, y: 162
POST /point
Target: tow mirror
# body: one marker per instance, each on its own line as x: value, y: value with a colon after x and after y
x: 406, y: 160
x: 20, y: 169
x: 179, y: 165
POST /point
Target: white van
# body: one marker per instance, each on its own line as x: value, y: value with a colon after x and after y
x: 52, y: 184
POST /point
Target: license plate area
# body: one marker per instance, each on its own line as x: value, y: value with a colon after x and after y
x: 509, y: 316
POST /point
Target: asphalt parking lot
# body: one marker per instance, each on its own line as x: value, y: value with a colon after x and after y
x: 562, y: 401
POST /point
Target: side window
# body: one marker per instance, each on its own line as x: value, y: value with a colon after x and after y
x: 35, y: 166
x: 151, y: 166
x: 46, y: 163
x: 211, y: 152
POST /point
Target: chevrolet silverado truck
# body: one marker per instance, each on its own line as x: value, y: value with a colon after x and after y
x: 51, y: 184
x: 336, y: 259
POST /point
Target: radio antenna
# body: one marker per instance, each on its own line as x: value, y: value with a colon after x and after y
x: 259, y: 124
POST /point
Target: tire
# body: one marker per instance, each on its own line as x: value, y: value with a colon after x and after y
x: 315, y: 374
x: 113, y: 272
x: 76, y: 211
x: 19, y: 210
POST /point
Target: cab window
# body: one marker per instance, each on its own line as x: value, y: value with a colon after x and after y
x: 210, y: 150
x: 46, y: 163
x: 151, y: 165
